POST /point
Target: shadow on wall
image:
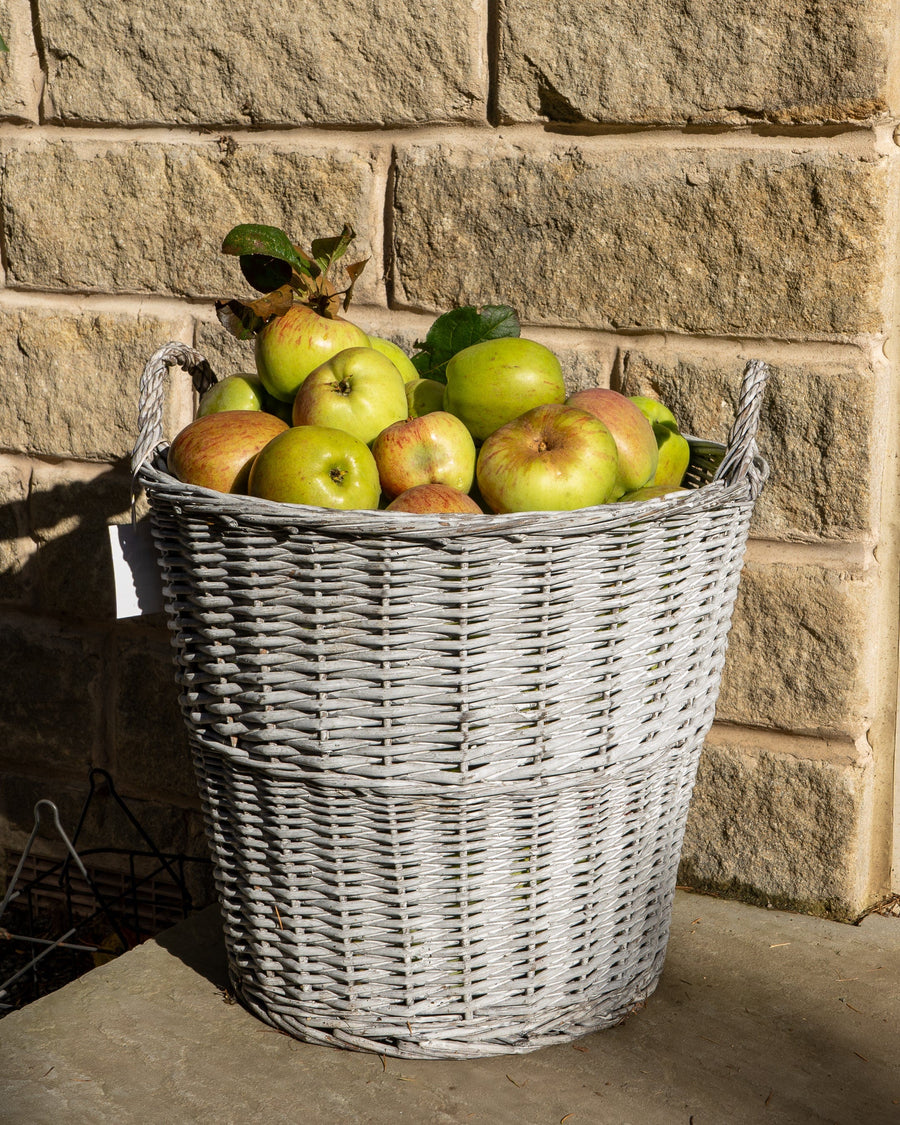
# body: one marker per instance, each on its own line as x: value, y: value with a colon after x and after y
x: 57, y: 560
x: 82, y: 688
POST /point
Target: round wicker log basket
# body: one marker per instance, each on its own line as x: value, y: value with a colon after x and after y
x: 445, y: 761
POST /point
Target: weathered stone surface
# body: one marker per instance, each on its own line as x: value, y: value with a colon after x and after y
x: 818, y: 431
x: 363, y: 62
x: 140, y: 217
x: 727, y: 241
x: 783, y: 829
x: 724, y: 61
x: 70, y: 382
x: 799, y: 650
x: 759, y: 1016
x: 70, y: 508
x: 53, y: 685
x: 16, y: 549
x: 152, y: 754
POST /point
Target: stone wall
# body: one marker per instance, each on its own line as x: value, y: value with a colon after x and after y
x: 662, y: 192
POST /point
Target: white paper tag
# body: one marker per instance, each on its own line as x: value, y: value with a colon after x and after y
x: 135, y: 570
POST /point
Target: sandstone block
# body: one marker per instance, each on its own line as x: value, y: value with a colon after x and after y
x: 786, y: 829
x: 364, y: 62
x: 139, y: 217
x: 151, y: 750
x: 19, y: 66
x: 817, y: 431
x: 71, y: 381
x: 715, y: 61
x: 53, y: 688
x: 723, y: 241
x: 799, y: 651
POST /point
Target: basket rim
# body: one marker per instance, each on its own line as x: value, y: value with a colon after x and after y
x: 250, y: 511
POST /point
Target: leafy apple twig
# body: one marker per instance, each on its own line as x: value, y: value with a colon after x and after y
x: 457, y: 329
x: 279, y: 269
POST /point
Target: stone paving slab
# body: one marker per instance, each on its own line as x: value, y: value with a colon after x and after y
x: 761, y: 1016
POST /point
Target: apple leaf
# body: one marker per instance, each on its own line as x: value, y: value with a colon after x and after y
x: 458, y: 329
x: 326, y: 251
x: 268, y: 259
x: 244, y: 319
x: 3, y: 46
x: 353, y: 272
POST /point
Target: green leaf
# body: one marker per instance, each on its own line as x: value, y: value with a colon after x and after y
x: 268, y: 258
x: 459, y: 329
x: 326, y: 251
x: 3, y: 46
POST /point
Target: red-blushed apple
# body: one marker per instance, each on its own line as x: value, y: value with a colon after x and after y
x: 650, y: 492
x: 494, y: 381
x: 316, y: 465
x: 429, y: 499
x: 633, y: 434
x: 434, y: 449
x: 358, y: 390
x: 552, y: 458
x: 396, y: 355
x: 292, y: 345
x: 217, y: 450
x: 234, y: 392
x: 424, y: 396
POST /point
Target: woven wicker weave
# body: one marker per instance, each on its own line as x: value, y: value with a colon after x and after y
x: 445, y: 761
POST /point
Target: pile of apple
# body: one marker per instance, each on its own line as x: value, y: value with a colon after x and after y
x: 476, y: 420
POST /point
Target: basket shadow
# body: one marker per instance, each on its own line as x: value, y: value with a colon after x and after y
x: 199, y: 943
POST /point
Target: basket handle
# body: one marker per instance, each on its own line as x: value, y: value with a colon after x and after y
x: 741, y: 449
x: 150, y: 403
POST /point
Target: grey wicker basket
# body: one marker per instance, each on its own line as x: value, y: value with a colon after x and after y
x: 445, y: 761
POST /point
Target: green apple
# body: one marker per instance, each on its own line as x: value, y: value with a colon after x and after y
x: 633, y: 434
x: 674, y: 457
x: 434, y: 449
x: 316, y: 465
x: 235, y: 392
x: 291, y: 346
x: 396, y: 355
x: 551, y: 458
x: 423, y: 396
x: 217, y: 450
x: 674, y: 452
x: 358, y: 390
x: 650, y: 492
x: 433, y: 499
x: 493, y: 382
x: 656, y: 413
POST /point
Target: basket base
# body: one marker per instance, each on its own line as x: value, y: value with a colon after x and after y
x: 455, y: 1039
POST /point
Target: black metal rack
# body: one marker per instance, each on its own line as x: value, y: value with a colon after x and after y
x: 76, y: 912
